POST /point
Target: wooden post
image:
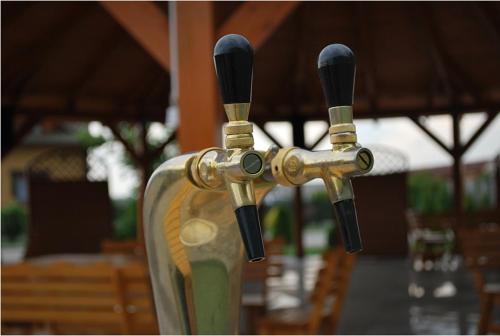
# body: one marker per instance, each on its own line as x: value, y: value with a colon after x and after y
x: 299, y: 141
x: 458, y: 195
x: 144, y: 165
x: 200, y: 114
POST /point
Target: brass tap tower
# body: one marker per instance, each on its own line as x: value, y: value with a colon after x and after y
x: 201, y: 208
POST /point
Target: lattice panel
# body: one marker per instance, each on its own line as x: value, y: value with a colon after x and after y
x: 67, y: 164
x: 388, y: 160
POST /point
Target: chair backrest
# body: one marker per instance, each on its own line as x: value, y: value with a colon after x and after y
x: 481, y: 250
x: 255, y: 275
x: 96, y: 298
x: 331, y: 285
x: 481, y: 246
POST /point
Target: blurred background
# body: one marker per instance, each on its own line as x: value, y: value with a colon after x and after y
x: 95, y: 95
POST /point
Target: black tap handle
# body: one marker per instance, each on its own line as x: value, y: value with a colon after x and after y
x: 248, y: 221
x: 345, y: 212
x: 233, y: 57
x: 337, y: 68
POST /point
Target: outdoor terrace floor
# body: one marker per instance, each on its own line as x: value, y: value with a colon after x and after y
x: 379, y: 300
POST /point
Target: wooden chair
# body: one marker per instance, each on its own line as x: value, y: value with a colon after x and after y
x: 66, y: 298
x: 481, y: 250
x: 325, y: 302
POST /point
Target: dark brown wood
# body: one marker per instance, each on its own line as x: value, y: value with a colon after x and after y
x: 146, y: 23
x: 458, y: 195
x: 427, y: 40
x: 489, y: 21
x: 452, y: 69
x: 364, y: 38
x: 93, y: 65
x: 299, y: 141
x: 432, y: 136
x: 257, y: 21
x: 32, y: 60
x: 317, y: 111
x: 19, y: 134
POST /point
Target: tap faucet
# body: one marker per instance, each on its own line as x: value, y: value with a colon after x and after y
x: 241, y: 164
x: 200, y: 209
x: 294, y: 166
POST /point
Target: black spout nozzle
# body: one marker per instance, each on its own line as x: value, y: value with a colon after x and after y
x: 345, y: 212
x: 337, y: 68
x: 248, y: 221
x: 233, y: 57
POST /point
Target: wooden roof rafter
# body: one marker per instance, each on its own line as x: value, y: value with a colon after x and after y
x: 489, y: 21
x: 93, y: 65
x: 257, y: 21
x: 38, y: 54
x: 147, y: 24
x: 364, y: 40
x: 453, y: 74
x: 426, y: 39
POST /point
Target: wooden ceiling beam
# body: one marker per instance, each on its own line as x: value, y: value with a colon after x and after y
x: 364, y: 38
x: 146, y: 23
x: 454, y: 74
x: 257, y: 21
x: 429, y: 45
x: 259, y: 111
x: 33, y: 59
x: 93, y: 65
x: 489, y: 21
x: 112, y: 113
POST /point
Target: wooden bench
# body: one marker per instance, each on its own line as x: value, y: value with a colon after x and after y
x: 67, y: 298
x: 126, y: 247
x: 325, y: 303
x: 481, y: 251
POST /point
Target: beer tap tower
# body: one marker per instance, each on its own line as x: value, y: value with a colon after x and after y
x: 201, y: 208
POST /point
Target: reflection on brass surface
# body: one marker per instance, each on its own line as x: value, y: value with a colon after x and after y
x: 195, y: 252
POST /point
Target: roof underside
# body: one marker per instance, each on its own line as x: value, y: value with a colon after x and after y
x: 74, y: 60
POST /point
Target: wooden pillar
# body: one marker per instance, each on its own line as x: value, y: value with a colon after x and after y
x: 299, y: 141
x: 144, y: 166
x: 458, y: 194
x: 200, y: 114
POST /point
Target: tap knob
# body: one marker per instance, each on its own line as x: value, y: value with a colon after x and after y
x: 233, y: 57
x: 337, y: 68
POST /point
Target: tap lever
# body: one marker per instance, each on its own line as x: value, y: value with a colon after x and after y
x: 337, y: 68
x: 345, y: 213
x: 233, y: 57
x: 248, y: 221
